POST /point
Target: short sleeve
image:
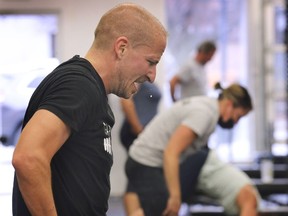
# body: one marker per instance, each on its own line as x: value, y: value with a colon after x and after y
x: 184, y: 73
x: 69, y: 97
x: 199, y: 121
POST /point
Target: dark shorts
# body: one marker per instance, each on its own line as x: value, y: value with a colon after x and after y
x: 189, y: 173
x: 149, y: 184
x: 126, y: 135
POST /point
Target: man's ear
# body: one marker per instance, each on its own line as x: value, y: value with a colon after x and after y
x: 120, y: 46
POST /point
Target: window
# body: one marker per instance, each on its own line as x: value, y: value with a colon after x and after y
x: 27, y: 37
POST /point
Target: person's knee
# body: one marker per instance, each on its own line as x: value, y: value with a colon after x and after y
x: 247, y: 198
x: 132, y: 204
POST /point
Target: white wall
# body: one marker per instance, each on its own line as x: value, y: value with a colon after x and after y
x: 77, y: 22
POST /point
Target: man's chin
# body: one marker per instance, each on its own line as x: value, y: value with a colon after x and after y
x: 127, y: 95
x: 132, y: 93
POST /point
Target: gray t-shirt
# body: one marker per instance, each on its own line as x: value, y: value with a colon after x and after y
x: 199, y: 113
x: 193, y: 79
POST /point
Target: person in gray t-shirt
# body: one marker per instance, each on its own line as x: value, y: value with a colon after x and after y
x: 191, y: 77
x: 152, y: 167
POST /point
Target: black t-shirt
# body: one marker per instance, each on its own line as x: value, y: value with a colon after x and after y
x: 80, y: 169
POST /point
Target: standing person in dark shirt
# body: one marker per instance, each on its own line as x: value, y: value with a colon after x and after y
x: 64, y: 155
x: 138, y: 111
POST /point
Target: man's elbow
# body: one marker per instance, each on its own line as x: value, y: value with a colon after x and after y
x: 24, y: 162
x: 173, y: 82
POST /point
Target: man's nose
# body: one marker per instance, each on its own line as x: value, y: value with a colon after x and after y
x: 152, y: 74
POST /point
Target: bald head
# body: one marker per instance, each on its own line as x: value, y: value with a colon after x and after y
x: 131, y: 21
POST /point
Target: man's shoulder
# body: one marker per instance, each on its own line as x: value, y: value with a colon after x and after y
x: 75, y: 62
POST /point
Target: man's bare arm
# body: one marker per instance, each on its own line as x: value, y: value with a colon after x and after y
x: 173, y: 83
x: 41, y: 138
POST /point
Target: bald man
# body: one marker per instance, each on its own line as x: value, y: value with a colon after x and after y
x: 64, y: 155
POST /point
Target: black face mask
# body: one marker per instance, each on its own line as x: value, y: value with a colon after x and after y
x: 226, y: 125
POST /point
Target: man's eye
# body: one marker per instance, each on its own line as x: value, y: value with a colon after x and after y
x: 151, y: 63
